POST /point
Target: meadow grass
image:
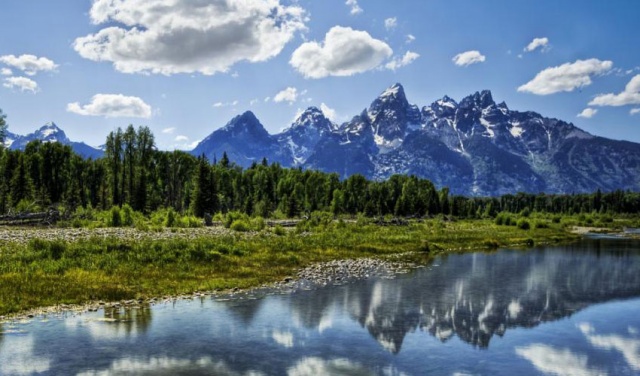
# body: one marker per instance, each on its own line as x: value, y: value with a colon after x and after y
x: 49, y: 272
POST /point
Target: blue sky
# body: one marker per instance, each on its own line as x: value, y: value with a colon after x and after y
x: 186, y: 67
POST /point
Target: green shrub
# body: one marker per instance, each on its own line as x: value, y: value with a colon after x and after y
x: 258, y: 224
x: 115, y: 220
x: 279, y: 230
x: 240, y: 225
x: 540, y: 224
x: 170, y: 221
x: 127, y: 215
x: 523, y: 224
x: 525, y: 212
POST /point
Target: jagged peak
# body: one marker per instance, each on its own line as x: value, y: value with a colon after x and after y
x: 394, y: 92
x: 482, y: 99
x: 312, y: 116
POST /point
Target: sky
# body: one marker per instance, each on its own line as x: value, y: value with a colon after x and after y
x: 184, y: 68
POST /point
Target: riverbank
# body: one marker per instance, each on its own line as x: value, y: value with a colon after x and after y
x: 67, y: 267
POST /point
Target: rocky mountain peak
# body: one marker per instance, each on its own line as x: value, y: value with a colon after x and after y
x: 478, y: 100
x: 312, y: 117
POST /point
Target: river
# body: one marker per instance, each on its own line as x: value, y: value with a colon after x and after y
x: 562, y: 310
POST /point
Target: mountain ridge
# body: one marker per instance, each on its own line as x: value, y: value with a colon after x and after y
x: 475, y: 146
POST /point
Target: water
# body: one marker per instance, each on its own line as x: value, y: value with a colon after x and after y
x: 562, y: 311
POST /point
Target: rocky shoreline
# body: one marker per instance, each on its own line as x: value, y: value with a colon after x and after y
x: 319, y: 275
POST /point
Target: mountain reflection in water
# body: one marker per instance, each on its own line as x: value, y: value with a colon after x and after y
x: 430, y: 321
x: 476, y: 296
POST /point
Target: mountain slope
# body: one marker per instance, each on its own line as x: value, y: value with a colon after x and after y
x: 51, y: 133
x: 245, y: 141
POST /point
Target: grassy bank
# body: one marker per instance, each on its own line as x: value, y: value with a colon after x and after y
x: 48, y: 272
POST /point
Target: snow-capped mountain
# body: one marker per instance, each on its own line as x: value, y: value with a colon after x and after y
x: 474, y: 146
x: 245, y: 141
x: 301, y: 138
x: 51, y: 133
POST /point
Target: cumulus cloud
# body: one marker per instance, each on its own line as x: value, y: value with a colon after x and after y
x: 186, y: 36
x: 22, y: 83
x: 630, y: 95
x: 355, y: 8
x: 289, y: 94
x: 566, y: 77
x: 344, y: 52
x: 400, y: 62
x: 634, y: 111
x: 6, y: 72
x: 468, y: 58
x: 182, y: 138
x: 29, y: 64
x: 169, y: 130
x: 390, y: 23
x: 410, y: 38
x: 541, y: 43
x: 112, y: 105
x: 588, y: 113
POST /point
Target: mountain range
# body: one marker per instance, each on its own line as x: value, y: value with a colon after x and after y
x: 51, y: 133
x: 475, y: 147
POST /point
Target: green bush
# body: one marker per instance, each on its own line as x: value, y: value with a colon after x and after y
x: 115, y: 220
x: 523, y: 224
x: 240, y: 225
x: 170, y: 221
x: 279, y: 230
x: 127, y: 215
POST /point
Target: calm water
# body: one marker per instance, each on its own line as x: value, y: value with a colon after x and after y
x: 563, y: 311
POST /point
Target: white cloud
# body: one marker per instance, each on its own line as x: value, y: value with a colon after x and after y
x: 182, y: 138
x: 390, y: 23
x: 634, y: 111
x: 344, y: 52
x: 225, y: 104
x: 410, y: 38
x: 541, y: 43
x: 566, y: 77
x: 468, y: 58
x: 29, y: 64
x: 289, y: 94
x: 22, y: 83
x: 630, y: 95
x: 588, y: 113
x: 254, y: 101
x: 186, y: 36
x: 6, y: 72
x: 405, y: 60
x: 355, y: 8
x: 550, y: 360
x: 112, y: 105
x: 169, y: 130
x: 329, y: 112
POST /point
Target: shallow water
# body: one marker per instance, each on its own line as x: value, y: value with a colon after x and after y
x: 571, y: 310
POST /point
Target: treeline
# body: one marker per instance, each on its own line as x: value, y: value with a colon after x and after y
x: 134, y: 173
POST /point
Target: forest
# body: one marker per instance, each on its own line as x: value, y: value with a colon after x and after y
x: 135, y: 173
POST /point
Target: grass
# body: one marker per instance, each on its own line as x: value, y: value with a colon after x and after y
x: 45, y: 272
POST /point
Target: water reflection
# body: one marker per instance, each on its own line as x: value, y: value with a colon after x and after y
x: 555, y: 361
x: 627, y: 346
x: 475, y: 297
x: 431, y: 321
